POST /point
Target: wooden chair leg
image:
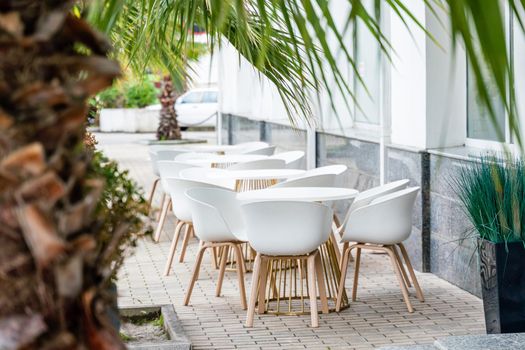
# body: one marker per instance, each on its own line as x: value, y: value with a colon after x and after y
x: 214, y: 258
x: 173, y: 247
x: 240, y: 273
x: 195, y: 274
x: 263, y: 279
x: 185, y: 242
x: 337, y: 224
x: 320, y: 284
x: 419, y: 292
x: 162, y: 201
x: 401, y: 267
x: 312, y: 290
x: 253, y: 292
x: 162, y: 219
x: 356, y: 273
x: 222, y: 268
x: 341, y: 287
x: 399, y: 278
x: 152, y: 193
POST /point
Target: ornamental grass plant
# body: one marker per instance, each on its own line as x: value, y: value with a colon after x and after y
x: 492, y: 192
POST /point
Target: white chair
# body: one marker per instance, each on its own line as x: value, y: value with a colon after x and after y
x: 259, y: 164
x: 382, y: 225
x: 284, y: 230
x: 266, y: 151
x: 167, y: 169
x: 194, y: 155
x: 293, y: 159
x: 322, y: 180
x: 159, y: 153
x: 254, y: 145
x: 217, y: 221
x: 203, y: 175
x: 181, y: 209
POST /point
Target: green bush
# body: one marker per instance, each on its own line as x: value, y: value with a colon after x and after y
x: 112, y: 97
x: 492, y: 192
x: 140, y: 94
x: 134, y: 94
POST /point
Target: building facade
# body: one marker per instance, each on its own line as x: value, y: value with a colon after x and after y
x: 418, y: 118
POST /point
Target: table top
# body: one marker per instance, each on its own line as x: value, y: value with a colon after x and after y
x: 259, y: 174
x: 310, y: 194
x: 224, y: 159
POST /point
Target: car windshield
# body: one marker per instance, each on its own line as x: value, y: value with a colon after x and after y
x: 210, y: 97
x: 192, y: 97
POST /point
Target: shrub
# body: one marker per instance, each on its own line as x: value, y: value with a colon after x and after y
x: 140, y: 94
x: 112, y: 97
x: 493, y: 194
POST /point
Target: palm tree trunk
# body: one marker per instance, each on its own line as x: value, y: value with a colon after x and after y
x: 168, y: 126
x: 52, y: 290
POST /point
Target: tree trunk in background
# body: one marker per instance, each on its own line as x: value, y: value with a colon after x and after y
x: 168, y: 126
x: 53, y: 286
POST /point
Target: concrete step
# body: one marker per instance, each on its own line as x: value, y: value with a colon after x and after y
x: 509, y: 341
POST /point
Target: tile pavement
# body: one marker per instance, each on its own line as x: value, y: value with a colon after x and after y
x: 378, y: 318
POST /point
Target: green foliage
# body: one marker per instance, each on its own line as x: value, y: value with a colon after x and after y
x: 112, y: 97
x: 492, y: 192
x: 121, y: 211
x: 132, y: 94
x: 140, y: 94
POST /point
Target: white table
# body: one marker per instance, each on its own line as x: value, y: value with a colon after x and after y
x: 329, y: 251
x: 223, y: 161
x: 246, y: 180
x: 309, y: 194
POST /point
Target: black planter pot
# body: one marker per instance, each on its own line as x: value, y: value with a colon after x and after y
x: 502, y: 268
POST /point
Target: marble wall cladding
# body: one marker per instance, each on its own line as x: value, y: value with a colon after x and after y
x: 362, y: 159
x: 284, y: 137
x: 225, y: 136
x: 452, y: 245
x: 244, y: 130
x: 407, y: 164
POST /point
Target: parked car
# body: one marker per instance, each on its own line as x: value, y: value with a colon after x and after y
x: 197, y: 108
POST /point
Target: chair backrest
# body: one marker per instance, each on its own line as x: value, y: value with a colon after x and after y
x: 336, y: 169
x: 293, y: 159
x: 216, y: 214
x: 179, y: 201
x: 286, y: 228
x: 252, y: 145
x: 323, y: 180
x: 259, y: 164
x: 368, y: 196
x: 194, y: 155
x: 170, y: 168
x: 266, y: 151
x: 168, y: 154
x: 385, y: 220
x: 203, y: 175
x: 153, y: 158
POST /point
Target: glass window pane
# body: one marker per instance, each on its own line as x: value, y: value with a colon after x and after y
x: 367, y: 53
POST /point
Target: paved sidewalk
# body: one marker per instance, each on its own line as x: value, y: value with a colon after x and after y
x: 378, y: 318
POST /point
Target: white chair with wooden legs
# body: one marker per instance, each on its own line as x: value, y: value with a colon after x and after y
x: 382, y: 225
x: 156, y: 154
x: 287, y: 230
x: 167, y: 169
x: 264, y: 151
x: 323, y: 180
x: 218, y: 223
x: 259, y: 164
x: 205, y: 175
x: 247, y: 146
x: 194, y: 155
x: 182, y: 210
x: 293, y: 159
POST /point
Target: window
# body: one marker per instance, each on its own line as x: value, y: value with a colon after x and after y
x: 192, y: 97
x: 210, y: 97
x: 480, y: 125
x: 366, y: 55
